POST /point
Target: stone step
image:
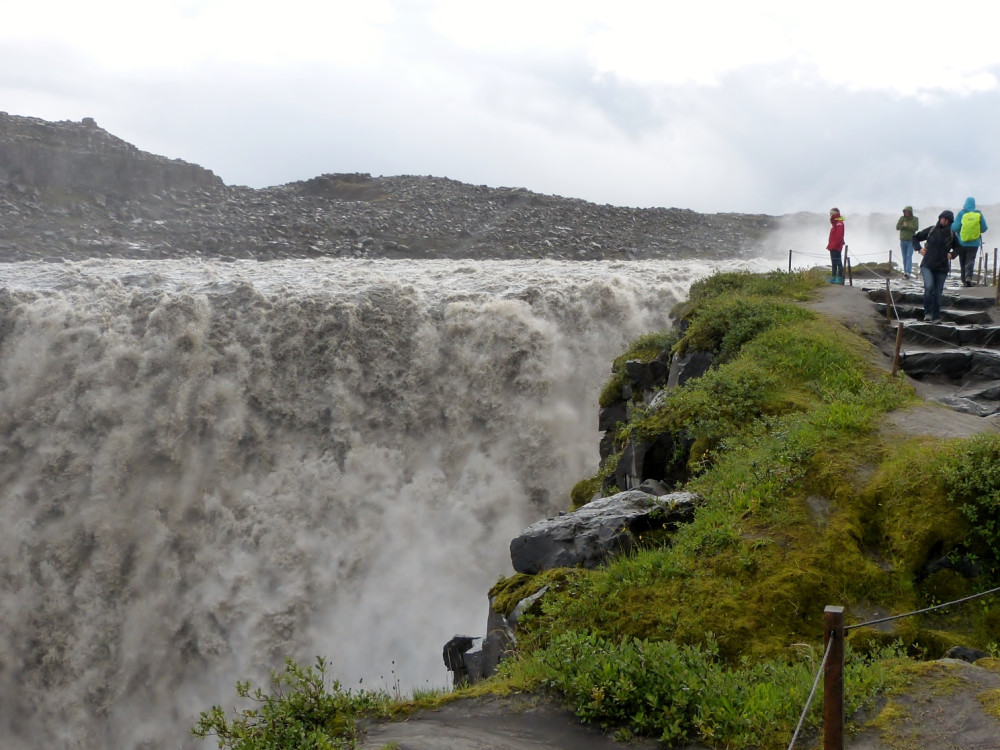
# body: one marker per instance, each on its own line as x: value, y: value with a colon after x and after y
x: 909, y: 297
x: 979, y: 364
x: 952, y: 315
x: 923, y: 333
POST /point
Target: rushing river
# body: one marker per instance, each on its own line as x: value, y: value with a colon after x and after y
x: 207, y: 467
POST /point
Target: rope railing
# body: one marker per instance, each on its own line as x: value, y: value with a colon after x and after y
x: 893, y: 312
x: 922, y: 611
x: 812, y: 694
x: 982, y: 270
x: 833, y: 666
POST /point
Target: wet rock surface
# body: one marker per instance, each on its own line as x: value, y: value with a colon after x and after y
x: 71, y: 190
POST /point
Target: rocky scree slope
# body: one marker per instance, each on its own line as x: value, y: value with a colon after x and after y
x: 71, y: 190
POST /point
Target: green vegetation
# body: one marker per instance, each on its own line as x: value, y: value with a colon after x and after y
x: 712, y: 635
x: 677, y: 693
x: 305, y: 711
x: 973, y: 482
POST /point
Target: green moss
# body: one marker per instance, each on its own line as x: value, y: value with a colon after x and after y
x: 907, y: 520
x: 585, y: 490
x: 990, y: 701
x: 506, y: 593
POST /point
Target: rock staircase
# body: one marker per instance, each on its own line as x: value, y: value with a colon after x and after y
x: 960, y: 356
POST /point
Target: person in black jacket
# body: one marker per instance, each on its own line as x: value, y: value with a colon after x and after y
x: 940, y: 246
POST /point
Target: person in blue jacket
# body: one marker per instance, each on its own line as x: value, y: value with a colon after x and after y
x: 967, y: 248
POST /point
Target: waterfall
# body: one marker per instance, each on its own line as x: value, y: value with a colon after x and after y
x: 207, y: 467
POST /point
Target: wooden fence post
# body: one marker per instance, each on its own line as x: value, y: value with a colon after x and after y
x: 833, y: 683
x: 789, y: 260
x: 888, y: 301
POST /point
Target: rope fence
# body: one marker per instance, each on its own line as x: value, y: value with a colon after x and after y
x: 892, y: 311
x: 981, y: 270
x: 835, y: 633
x: 922, y: 611
x: 812, y: 694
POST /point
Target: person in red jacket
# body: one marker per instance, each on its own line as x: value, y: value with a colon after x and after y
x: 836, y: 245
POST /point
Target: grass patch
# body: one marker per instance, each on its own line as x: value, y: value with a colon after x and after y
x: 680, y: 694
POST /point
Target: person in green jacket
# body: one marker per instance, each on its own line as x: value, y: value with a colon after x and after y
x: 907, y: 226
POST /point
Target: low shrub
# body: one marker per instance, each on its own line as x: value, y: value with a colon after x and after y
x: 304, y: 711
x: 684, y: 694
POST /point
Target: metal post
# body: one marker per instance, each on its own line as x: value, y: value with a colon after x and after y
x: 833, y: 679
x: 889, y: 273
x: 888, y: 301
x: 996, y: 281
x: 899, y: 345
x: 789, y: 260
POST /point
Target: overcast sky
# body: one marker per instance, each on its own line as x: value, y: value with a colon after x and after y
x: 715, y: 105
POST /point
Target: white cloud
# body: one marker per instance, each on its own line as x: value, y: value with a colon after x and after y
x: 775, y: 106
x: 123, y: 35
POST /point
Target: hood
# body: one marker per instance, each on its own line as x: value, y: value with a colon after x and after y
x: 907, y: 208
x: 970, y: 204
x: 949, y: 215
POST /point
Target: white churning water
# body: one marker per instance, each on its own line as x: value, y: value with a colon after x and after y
x: 205, y: 467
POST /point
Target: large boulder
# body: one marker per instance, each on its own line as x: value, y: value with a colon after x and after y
x: 599, y: 530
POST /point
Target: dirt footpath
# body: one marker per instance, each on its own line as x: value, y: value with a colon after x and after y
x: 943, y: 709
x: 517, y: 723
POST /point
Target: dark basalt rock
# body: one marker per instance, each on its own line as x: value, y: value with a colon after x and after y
x: 691, y: 365
x: 644, y: 376
x: 663, y: 458
x: 968, y: 406
x: 965, y: 653
x: 612, y: 415
x: 948, y: 314
x: 83, y: 157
